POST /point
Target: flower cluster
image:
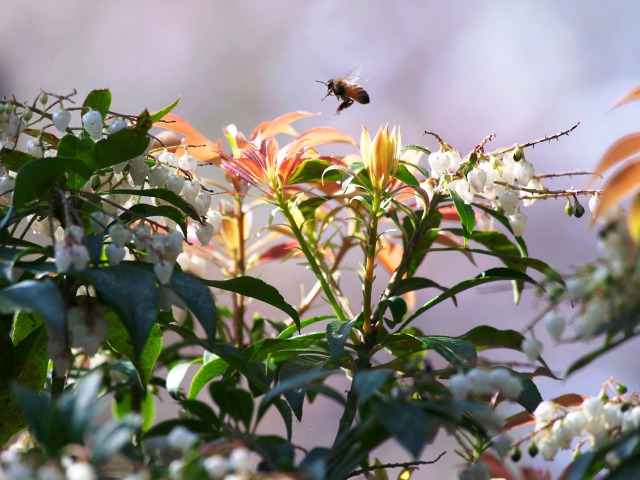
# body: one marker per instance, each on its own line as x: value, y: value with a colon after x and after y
x: 490, y: 177
x: 596, y: 422
x: 480, y: 382
x: 87, y: 325
x: 16, y: 466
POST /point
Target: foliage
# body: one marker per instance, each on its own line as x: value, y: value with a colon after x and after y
x: 106, y: 231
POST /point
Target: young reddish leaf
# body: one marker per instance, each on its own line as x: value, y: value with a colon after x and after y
x: 633, y: 219
x: 280, y: 251
x: 319, y: 136
x: 518, y: 420
x: 202, y: 148
x: 280, y: 125
x: 570, y: 400
x: 624, y: 182
x: 631, y: 96
x: 621, y: 150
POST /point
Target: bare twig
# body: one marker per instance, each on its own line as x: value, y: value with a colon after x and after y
x: 395, y: 465
x: 546, y: 138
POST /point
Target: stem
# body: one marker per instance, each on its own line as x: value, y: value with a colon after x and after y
x: 313, y: 264
x: 239, y: 270
x: 370, y: 264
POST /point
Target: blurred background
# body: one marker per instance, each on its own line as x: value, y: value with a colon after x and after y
x: 462, y: 69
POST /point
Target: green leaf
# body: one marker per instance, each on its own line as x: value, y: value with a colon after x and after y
x: 409, y: 425
x: 416, y: 147
x: 314, y: 171
x: 36, y: 177
x: 164, y: 428
x: 405, y: 176
x: 145, y: 210
x: 337, y: 336
x: 256, y: 288
x: 591, y: 356
x: 14, y: 160
x: 286, y: 414
x: 308, y: 207
x: 293, y: 346
x: 30, y: 361
x: 485, y: 337
x: 529, y: 397
x: 466, y: 214
x: 161, y: 113
x: 236, y: 359
x: 119, y: 339
x: 163, y: 194
x: 176, y: 375
x: 123, y: 406
x: 97, y: 100
x: 459, y: 353
x: 198, y: 299
x: 295, y: 384
x: 233, y: 401
x: 407, y: 285
x: 505, y: 223
x: 121, y: 146
x: 368, y: 382
x: 84, y: 150
x: 289, y: 331
x: 398, y: 308
x: 491, y: 275
x: 209, y: 370
x: 201, y: 410
x: 40, y: 296
x: 132, y: 293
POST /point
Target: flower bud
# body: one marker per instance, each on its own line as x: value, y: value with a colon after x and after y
x: 531, y: 347
x: 158, y: 176
x: 518, y: 223
x: 509, y: 201
x: 518, y: 154
x: 169, y: 159
x: 523, y: 172
x: 34, y: 147
x: 568, y: 209
x: 61, y: 119
x: 43, y: 98
x: 578, y: 210
x: 555, y: 323
x: 204, y: 233
x: 188, y: 162
x: 477, y: 178
x: 439, y: 162
x: 175, y: 183
x: 92, y: 123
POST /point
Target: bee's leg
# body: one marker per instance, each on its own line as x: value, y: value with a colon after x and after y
x: 346, y: 103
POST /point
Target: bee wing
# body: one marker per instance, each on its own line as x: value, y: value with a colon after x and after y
x: 353, y: 75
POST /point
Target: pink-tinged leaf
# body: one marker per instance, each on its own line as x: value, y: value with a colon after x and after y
x: 631, y: 96
x: 625, y: 182
x: 619, y: 151
x: 497, y: 469
x: 448, y: 239
x: 570, y: 400
x: 633, y: 219
x: 319, y: 136
x: 238, y: 172
x: 199, y: 146
x: 280, y: 125
x: 280, y: 251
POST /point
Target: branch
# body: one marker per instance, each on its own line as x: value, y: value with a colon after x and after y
x: 535, y: 142
x: 394, y: 465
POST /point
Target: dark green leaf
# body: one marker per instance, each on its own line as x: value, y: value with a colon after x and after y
x: 308, y: 207
x: 466, y: 214
x: 164, y: 428
x: 314, y: 171
x: 286, y: 414
x: 459, y: 353
x: 404, y: 175
x: 529, y: 397
x: 486, y: 337
x: 132, y: 293
x: 591, y: 356
x: 409, y: 425
x: 295, y: 345
x: 236, y: 359
x: 233, y: 401
x: 145, y: 210
x: 84, y: 150
x: 14, y: 159
x: 97, y: 100
x: 397, y: 306
x: 121, y: 146
x: 368, y: 382
x: 337, y: 336
x: 505, y: 222
x: 36, y: 178
x: 256, y: 288
x: 289, y: 331
x: 491, y: 275
x: 407, y: 285
x: 163, y: 194
x: 40, y: 296
x: 161, y: 113
x: 198, y: 299
x: 201, y: 410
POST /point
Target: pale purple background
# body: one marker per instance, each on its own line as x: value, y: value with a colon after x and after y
x: 464, y: 69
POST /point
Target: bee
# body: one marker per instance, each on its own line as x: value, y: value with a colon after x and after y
x: 346, y: 89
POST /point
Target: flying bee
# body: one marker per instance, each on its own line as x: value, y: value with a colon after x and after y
x: 346, y: 89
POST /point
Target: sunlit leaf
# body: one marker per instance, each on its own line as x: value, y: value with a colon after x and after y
x: 630, y: 96
x: 159, y: 115
x: 633, y: 219
x: 199, y: 146
x: 99, y: 99
x: 466, y: 214
x: 209, y: 370
x: 36, y: 178
x: 624, y: 182
x: 314, y: 171
x: 619, y: 151
x: 280, y: 125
